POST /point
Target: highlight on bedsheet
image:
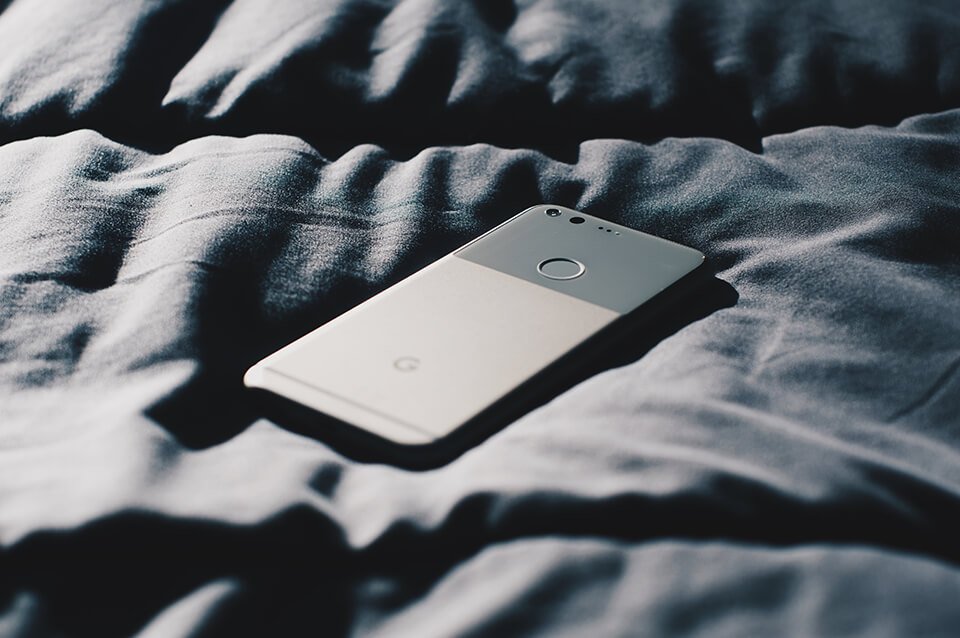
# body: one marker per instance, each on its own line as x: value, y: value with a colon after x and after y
x: 186, y: 187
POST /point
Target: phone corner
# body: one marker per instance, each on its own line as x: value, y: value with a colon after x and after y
x: 254, y: 377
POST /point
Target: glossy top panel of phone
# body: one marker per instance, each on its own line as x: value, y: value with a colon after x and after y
x: 583, y: 256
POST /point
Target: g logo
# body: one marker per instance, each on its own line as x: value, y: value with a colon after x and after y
x: 406, y: 364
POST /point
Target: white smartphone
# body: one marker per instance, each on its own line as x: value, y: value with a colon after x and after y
x: 443, y: 347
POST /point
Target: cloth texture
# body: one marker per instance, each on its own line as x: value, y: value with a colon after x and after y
x: 187, y: 186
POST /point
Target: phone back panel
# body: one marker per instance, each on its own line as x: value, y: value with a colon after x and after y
x: 425, y: 356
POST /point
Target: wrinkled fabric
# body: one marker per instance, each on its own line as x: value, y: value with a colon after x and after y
x: 185, y: 187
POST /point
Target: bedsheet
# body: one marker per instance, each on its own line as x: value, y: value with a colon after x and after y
x: 185, y: 187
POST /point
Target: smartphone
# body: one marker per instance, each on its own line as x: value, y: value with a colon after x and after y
x: 458, y: 341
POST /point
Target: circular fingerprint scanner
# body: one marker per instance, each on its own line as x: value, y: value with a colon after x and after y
x: 561, y: 268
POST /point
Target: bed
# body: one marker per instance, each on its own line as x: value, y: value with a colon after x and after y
x: 186, y: 186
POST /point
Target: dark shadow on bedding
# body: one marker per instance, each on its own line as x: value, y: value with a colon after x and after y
x: 265, y: 579
x: 212, y: 406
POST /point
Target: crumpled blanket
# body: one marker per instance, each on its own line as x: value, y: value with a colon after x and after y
x: 186, y: 186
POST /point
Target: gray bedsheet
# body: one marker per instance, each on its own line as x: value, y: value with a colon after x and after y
x: 186, y: 186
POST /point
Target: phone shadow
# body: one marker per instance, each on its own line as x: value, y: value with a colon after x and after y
x: 640, y: 337
x: 213, y: 406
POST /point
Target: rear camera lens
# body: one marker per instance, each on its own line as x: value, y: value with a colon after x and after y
x: 553, y: 212
x: 577, y: 220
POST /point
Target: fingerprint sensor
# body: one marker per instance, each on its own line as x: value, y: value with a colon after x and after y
x: 561, y: 268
